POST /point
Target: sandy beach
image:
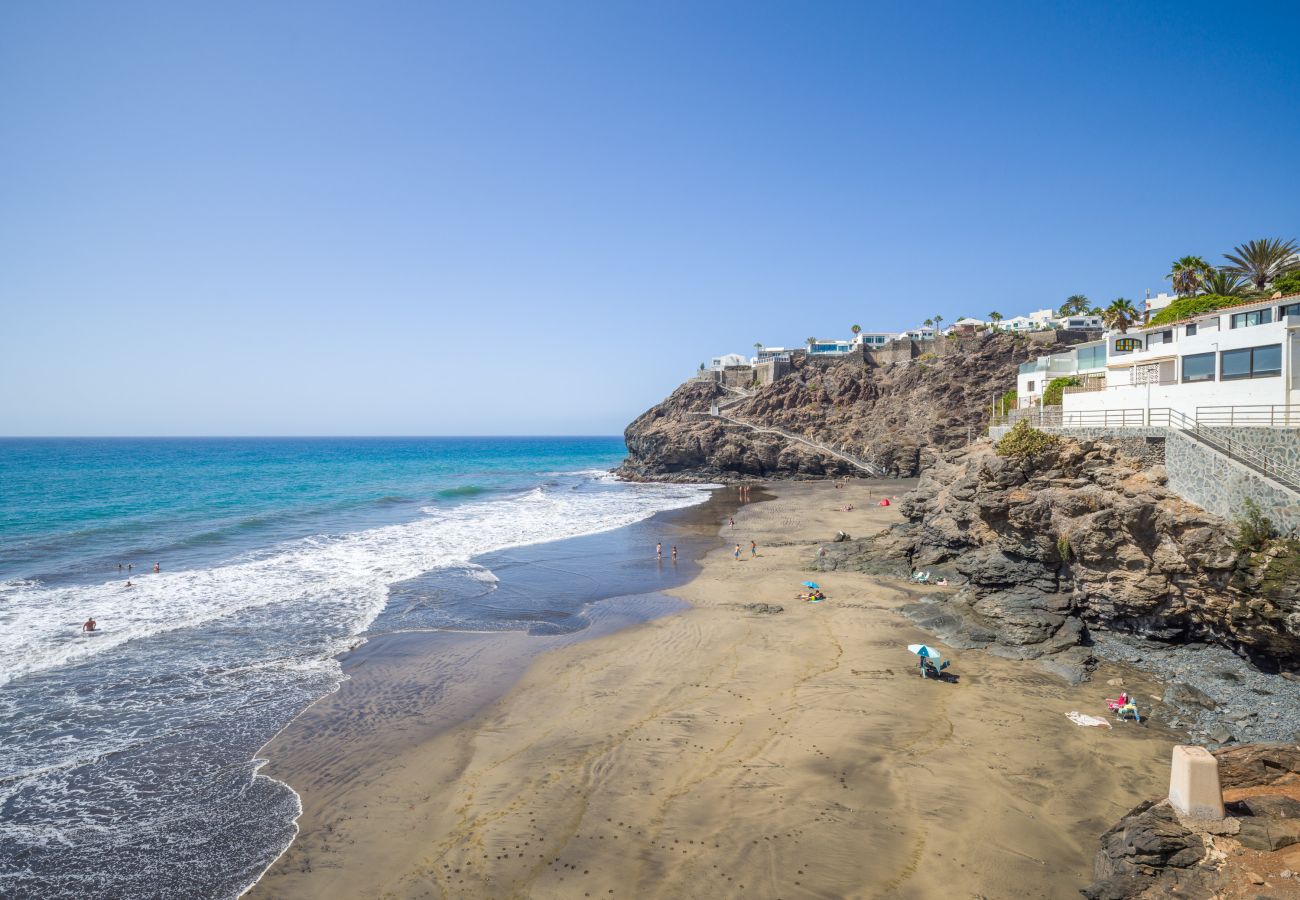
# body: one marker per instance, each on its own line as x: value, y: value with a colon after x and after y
x: 717, y: 752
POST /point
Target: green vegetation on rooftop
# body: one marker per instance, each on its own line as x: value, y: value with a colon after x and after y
x: 1187, y: 307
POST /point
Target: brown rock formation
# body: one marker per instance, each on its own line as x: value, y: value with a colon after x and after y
x: 1080, y: 535
x: 885, y: 414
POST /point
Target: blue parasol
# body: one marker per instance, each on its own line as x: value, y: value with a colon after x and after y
x: 812, y: 584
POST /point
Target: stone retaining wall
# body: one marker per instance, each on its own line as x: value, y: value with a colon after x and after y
x: 1221, y: 485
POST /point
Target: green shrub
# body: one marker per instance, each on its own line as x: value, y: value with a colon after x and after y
x: 1186, y: 307
x: 1008, y: 400
x: 1063, y: 548
x: 1288, y: 284
x: 1056, y: 387
x: 1254, y: 529
x: 1024, y: 442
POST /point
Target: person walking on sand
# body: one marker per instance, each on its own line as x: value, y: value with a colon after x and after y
x: 674, y: 553
x: 753, y: 548
x: 737, y: 553
x: 659, y: 551
x: 731, y: 520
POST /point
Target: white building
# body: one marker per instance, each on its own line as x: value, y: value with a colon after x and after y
x: 1043, y: 317
x: 1087, y: 362
x: 1158, y: 302
x: 773, y: 353
x: 1020, y: 323
x: 718, y: 363
x: 1240, y: 362
x: 873, y: 338
x: 830, y: 348
x: 1079, y: 323
x: 924, y: 333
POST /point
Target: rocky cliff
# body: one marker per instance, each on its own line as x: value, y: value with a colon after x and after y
x: 885, y: 414
x: 1045, y: 545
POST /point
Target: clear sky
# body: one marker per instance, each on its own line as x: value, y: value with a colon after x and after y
x: 537, y: 218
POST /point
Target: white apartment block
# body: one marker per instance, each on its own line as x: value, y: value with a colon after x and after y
x: 1247, y: 355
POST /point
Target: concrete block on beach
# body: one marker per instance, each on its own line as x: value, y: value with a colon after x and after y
x: 1194, y: 783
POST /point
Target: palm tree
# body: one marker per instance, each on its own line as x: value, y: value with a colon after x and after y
x: 758, y: 348
x: 810, y: 341
x: 938, y: 320
x: 1074, y: 305
x: 856, y: 329
x: 1262, y: 261
x: 928, y: 323
x: 1120, y: 315
x: 995, y: 317
x: 1095, y: 311
x: 1224, y: 283
x: 1187, y: 275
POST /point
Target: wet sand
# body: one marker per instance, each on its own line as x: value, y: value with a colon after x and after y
x: 716, y: 753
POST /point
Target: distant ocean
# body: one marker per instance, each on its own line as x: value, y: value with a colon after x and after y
x: 126, y: 758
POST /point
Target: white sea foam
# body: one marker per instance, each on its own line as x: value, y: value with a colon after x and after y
x: 344, y: 578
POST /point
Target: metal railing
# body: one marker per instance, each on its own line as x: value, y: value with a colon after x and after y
x: 1279, y: 415
x: 1251, y: 457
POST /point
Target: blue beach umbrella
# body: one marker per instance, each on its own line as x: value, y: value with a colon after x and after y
x: 812, y: 584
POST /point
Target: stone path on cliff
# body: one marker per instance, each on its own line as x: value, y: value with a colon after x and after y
x: 871, y: 469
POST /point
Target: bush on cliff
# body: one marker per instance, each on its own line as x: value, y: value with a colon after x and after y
x: 1056, y: 389
x: 1024, y: 442
x: 1254, y: 529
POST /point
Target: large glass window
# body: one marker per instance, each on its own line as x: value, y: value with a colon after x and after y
x: 1291, y: 309
x: 1246, y: 319
x: 1251, y: 362
x: 1092, y: 357
x: 1159, y: 337
x: 1198, y: 367
x: 1190, y: 330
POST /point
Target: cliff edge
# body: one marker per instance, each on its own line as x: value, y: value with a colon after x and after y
x: 885, y: 414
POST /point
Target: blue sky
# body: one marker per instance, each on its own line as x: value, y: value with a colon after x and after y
x: 434, y: 218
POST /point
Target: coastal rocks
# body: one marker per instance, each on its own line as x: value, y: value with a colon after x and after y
x: 1079, y: 536
x: 890, y: 415
x: 1147, y: 846
x: 1151, y: 852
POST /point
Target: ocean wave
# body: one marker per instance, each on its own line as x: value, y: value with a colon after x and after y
x: 344, y: 577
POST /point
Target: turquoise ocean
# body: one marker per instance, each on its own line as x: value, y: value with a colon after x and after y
x: 127, y: 758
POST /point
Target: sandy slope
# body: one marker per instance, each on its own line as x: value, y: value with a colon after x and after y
x: 718, y: 753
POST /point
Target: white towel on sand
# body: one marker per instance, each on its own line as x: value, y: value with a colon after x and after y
x: 1079, y: 718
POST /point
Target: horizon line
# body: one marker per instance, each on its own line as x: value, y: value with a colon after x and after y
x: 182, y: 437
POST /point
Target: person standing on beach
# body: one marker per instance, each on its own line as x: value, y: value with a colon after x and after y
x: 674, y: 553
x: 737, y: 553
x: 753, y: 548
x: 659, y: 551
x: 731, y: 520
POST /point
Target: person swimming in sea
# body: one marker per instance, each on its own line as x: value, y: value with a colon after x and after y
x: 129, y: 584
x: 90, y: 624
